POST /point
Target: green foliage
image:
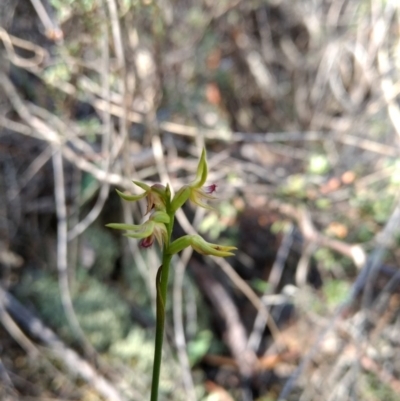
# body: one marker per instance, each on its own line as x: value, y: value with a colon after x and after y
x: 57, y: 73
x: 331, y: 261
x: 379, y: 206
x: 89, y: 187
x: 395, y: 177
x: 199, y: 346
x: 382, y: 208
x: 295, y: 186
x: 91, y: 127
x: 373, y: 389
x: 279, y: 226
x: 66, y: 7
x: 364, y: 233
x: 323, y: 203
x: 335, y: 292
x: 137, y: 350
x: 260, y: 285
x: 326, y: 257
x: 102, y: 314
x: 196, y: 18
x: 318, y: 164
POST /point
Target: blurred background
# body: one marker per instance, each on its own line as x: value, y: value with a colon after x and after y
x: 297, y: 103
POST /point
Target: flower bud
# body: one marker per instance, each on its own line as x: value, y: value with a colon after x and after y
x: 207, y: 248
x: 202, y: 171
x: 160, y: 217
x: 180, y: 198
x: 201, y: 246
x: 179, y: 244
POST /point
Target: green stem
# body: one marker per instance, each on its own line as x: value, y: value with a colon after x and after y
x: 161, y: 286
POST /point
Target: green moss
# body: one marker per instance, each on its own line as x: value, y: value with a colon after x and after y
x: 373, y: 389
x: 102, y: 314
x: 335, y: 292
x: 137, y: 350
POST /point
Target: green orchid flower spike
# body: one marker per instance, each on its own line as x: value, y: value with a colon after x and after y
x: 162, y: 209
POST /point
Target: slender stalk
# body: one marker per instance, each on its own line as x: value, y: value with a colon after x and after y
x: 159, y: 339
x: 161, y: 286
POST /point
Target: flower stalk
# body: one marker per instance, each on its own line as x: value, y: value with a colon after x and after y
x: 162, y: 208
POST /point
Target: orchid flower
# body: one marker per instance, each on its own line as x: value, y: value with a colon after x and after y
x: 196, y: 191
x: 155, y: 196
x: 153, y: 228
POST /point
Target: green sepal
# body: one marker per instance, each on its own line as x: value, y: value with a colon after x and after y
x: 142, y: 185
x: 206, y: 248
x: 160, y: 217
x: 167, y: 193
x: 180, y: 198
x: 179, y: 244
x: 121, y: 226
x: 131, y: 198
x: 201, y: 246
x: 202, y: 171
x: 145, y: 230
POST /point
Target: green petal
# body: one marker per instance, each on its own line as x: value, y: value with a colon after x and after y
x: 142, y: 185
x: 206, y: 248
x: 145, y: 231
x: 180, y: 198
x: 120, y: 226
x: 131, y: 198
x: 202, y: 171
x: 223, y: 248
x: 137, y: 235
